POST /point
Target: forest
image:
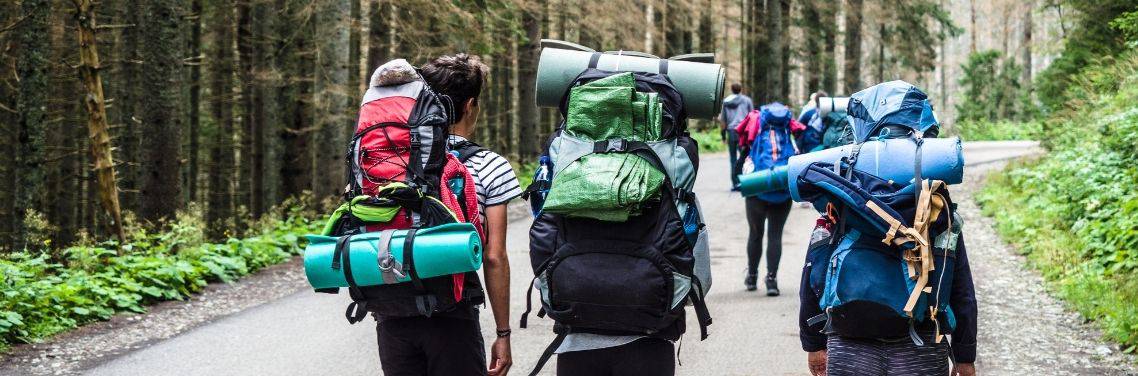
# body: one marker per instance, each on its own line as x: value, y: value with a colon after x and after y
x: 152, y: 146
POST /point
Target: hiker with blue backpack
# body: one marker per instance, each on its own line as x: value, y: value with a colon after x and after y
x: 887, y: 275
x: 735, y: 107
x: 766, y: 137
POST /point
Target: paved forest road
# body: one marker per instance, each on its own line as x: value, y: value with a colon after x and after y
x: 306, y: 334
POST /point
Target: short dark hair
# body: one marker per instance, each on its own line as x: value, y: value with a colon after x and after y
x: 736, y: 88
x: 459, y: 76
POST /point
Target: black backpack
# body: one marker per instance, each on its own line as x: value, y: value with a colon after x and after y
x: 620, y: 278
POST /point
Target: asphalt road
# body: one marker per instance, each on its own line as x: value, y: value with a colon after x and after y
x: 306, y: 334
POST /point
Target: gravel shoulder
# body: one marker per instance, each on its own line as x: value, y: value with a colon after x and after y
x: 1023, y: 329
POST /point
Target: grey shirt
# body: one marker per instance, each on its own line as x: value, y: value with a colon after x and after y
x: 735, y: 108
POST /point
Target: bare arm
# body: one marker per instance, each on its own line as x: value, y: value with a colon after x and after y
x: 497, y: 271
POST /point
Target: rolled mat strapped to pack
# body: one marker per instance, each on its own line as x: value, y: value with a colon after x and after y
x: 941, y: 159
x: 701, y: 84
x: 442, y: 250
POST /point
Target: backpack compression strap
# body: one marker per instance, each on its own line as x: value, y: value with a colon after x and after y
x: 357, y: 310
x: 549, y: 350
x: 466, y: 149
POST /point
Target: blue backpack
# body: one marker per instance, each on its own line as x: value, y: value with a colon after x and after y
x: 773, y: 144
x: 888, y: 266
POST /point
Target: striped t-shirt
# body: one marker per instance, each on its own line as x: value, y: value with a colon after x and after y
x: 494, y: 178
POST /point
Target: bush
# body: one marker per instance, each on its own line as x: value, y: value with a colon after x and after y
x: 1074, y: 213
x: 42, y: 297
x: 709, y: 140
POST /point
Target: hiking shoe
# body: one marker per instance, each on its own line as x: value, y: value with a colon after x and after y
x: 751, y: 282
x: 772, y: 285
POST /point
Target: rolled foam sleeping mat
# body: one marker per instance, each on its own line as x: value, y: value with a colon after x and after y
x: 701, y: 84
x: 442, y: 250
x: 942, y: 159
x: 826, y: 105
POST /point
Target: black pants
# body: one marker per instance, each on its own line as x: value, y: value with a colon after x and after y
x: 733, y: 155
x: 434, y: 346
x: 774, y: 215
x: 643, y: 357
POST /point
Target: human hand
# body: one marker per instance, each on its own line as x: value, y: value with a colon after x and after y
x: 964, y: 369
x: 817, y: 362
x: 500, y: 357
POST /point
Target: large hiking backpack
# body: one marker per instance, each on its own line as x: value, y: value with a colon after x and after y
x: 837, y: 131
x: 773, y: 143
x: 402, y: 176
x: 883, y: 264
x: 620, y: 277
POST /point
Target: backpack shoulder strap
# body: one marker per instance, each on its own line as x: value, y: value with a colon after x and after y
x: 466, y: 149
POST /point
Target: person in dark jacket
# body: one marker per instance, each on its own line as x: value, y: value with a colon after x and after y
x: 735, y: 107
x: 835, y: 355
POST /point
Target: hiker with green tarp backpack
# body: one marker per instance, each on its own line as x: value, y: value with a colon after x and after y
x: 618, y: 245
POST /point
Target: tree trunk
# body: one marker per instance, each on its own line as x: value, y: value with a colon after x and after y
x: 32, y: 68
x: 219, y: 209
x: 100, y: 138
x: 297, y: 103
x: 829, y: 13
x: 1029, y: 7
x: 379, y: 35
x: 127, y: 93
x: 784, y: 64
x: 334, y: 103
x: 246, y: 64
x: 354, y: 76
x: 852, y: 72
x: 162, y: 53
x: 774, y: 51
x: 972, y: 26
x: 195, y: 99
x: 528, y: 53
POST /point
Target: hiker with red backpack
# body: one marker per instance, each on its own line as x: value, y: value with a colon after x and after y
x: 423, y: 211
x: 766, y: 137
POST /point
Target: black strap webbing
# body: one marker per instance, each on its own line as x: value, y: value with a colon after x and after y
x: 338, y: 253
x: 664, y: 67
x: 548, y: 352
x: 594, y: 59
x: 701, y: 313
x: 529, y: 304
x: 466, y: 149
x: 917, y: 157
x: 409, y: 260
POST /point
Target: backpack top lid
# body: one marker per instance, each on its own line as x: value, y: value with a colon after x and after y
x: 895, y: 103
x: 775, y: 114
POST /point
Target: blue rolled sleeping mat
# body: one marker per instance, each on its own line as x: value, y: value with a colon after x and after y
x: 377, y: 258
x: 890, y: 159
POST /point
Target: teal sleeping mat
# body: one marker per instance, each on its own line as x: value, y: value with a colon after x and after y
x: 442, y: 250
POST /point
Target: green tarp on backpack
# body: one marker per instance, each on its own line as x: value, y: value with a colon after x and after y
x: 608, y: 186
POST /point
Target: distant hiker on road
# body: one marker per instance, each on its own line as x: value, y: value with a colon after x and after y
x: 767, y: 138
x: 811, y: 117
x: 735, y: 107
x: 450, y: 343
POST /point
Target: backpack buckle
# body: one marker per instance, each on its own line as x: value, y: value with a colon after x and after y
x: 609, y: 146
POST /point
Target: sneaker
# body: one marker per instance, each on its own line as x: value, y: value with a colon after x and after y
x: 751, y: 282
x: 772, y: 285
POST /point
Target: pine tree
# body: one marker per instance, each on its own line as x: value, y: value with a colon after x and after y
x: 162, y: 53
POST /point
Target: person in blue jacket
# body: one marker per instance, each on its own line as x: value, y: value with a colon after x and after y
x: 835, y: 355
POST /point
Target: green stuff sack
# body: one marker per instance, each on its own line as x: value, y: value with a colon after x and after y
x: 441, y: 250
x: 608, y: 186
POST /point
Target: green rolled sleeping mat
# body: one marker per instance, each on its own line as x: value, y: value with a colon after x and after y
x: 376, y: 258
x: 700, y: 83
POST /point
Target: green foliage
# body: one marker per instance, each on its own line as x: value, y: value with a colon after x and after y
x: 709, y: 140
x: 998, y: 131
x: 42, y: 297
x: 991, y: 88
x: 1092, y: 38
x: 1127, y: 23
x: 1075, y: 211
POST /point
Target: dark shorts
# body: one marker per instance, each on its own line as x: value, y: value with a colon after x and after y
x: 870, y: 357
x: 643, y: 357
x: 435, y: 346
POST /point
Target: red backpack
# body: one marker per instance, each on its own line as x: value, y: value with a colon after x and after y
x: 398, y: 157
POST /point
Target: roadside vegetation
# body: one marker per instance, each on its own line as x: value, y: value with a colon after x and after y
x: 1074, y: 212
x: 46, y: 292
